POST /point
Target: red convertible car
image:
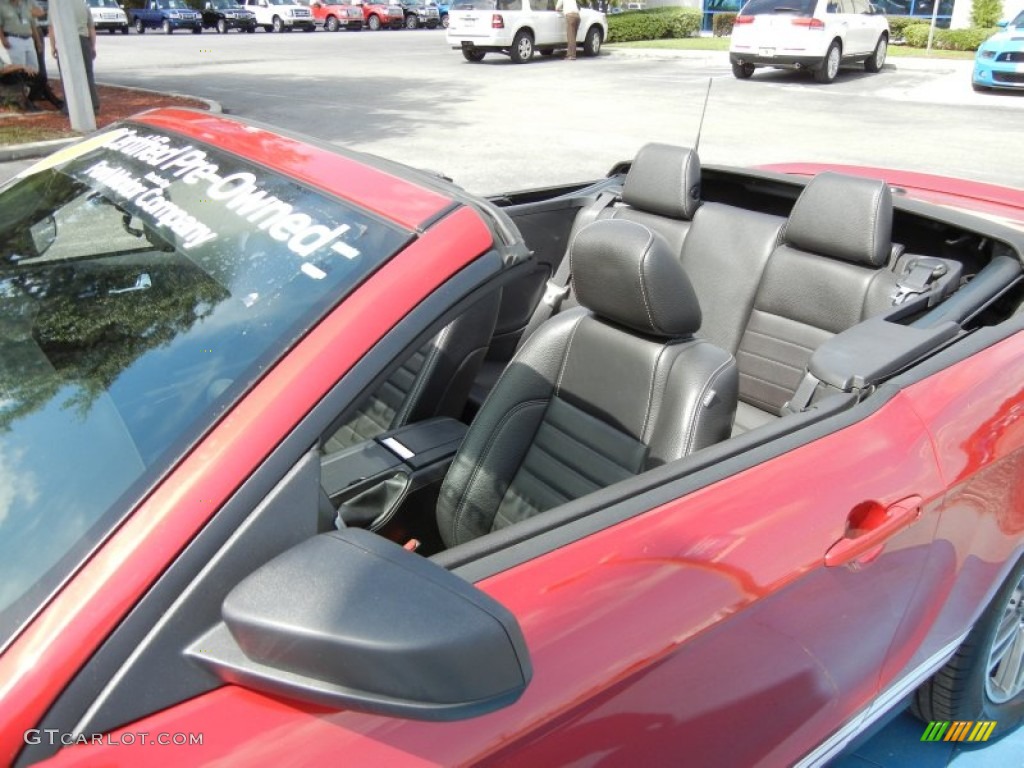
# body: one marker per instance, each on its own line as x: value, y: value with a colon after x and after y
x: 311, y: 458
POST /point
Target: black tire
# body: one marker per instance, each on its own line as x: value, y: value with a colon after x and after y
x: 522, y: 47
x: 124, y: 30
x: 592, y: 42
x: 876, y: 60
x: 373, y: 23
x: 140, y: 27
x: 829, y: 68
x: 168, y: 30
x: 331, y: 25
x: 742, y: 71
x: 277, y: 25
x: 432, y: 24
x: 969, y: 687
x: 471, y: 55
x: 411, y: 22
x: 197, y: 30
x: 311, y: 28
x: 251, y: 29
x: 222, y: 27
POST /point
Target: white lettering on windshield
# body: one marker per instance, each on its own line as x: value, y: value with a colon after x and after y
x: 240, y: 193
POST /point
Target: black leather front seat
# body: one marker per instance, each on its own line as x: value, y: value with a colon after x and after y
x: 598, y: 394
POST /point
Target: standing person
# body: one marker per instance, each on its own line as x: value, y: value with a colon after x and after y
x: 87, y: 36
x: 41, y: 83
x: 572, y: 24
x: 18, y: 32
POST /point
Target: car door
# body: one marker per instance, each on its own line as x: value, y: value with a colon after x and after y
x: 761, y: 594
x: 548, y: 24
x: 861, y: 34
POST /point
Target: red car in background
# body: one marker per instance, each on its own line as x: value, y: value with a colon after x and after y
x: 381, y: 15
x: 335, y: 16
x: 249, y: 445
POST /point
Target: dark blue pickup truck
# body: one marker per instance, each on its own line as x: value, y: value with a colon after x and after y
x: 167, y: 15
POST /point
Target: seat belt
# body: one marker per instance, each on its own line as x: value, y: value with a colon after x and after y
x: 558, y: 288
x: 917, y: 279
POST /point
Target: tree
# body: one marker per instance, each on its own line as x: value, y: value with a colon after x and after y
x: 985, y: 13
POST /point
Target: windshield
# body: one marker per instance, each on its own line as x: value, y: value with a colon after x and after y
x: 178, y: 4
x: 104, y: 4
x: 798, y: 7
x: 1019, y: 21
x: 144, y: 285
x: 228, y: 5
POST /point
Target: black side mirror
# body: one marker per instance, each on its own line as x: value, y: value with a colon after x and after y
x: 351, y: 620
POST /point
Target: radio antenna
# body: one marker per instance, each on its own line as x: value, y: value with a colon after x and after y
x: 703, y: 111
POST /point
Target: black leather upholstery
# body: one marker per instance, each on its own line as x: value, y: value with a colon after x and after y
x: 664, y: 180
x: 844, y: 217
x: 434, y: 381
x: 633, y: 278
x: 588, y: 400
x: 805, y: 297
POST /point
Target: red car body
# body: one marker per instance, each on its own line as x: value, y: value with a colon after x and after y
x: 335, y: 16
x: 715, y: 624
x: 382, y: 16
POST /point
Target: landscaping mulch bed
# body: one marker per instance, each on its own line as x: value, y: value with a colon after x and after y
x: 17, y: 127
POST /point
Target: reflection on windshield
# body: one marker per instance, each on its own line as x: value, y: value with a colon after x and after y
x: 143, y: 286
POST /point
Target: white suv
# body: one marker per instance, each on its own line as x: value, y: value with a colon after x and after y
x: 817, y: 35
x: 518, y: 28
x: 280, y: 15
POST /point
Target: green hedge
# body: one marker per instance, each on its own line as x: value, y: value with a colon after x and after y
x: 916, y: 36
x: 721, y: 24
x: 653, y: 24
x: 897, y: 25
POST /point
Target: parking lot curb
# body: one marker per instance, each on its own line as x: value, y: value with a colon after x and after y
x: 34, y: 149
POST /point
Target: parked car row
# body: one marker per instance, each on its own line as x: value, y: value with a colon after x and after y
x: 170, y: 16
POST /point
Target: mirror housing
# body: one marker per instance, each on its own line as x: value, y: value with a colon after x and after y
x: 351, y: 620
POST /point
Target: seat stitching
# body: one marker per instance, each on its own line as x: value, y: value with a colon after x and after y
x: 650, y: 393
x: 643, y: 287
x: 565, y: 355
x: 478, y: 464
x: 708, y: 385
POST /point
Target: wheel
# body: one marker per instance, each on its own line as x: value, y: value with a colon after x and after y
x: 111, y: 30
x: 877, y: 59
x: 197, y: 30
x: 742, y: 71
x: 985, y: 678
x: 373, y: 23
x: 277, y: 24
x: 310, y: 28
x: 522, y: 47
x: 470, y: 55
x: 829, y: 68
x: 167, y: 27
x: 222, y: 27
x: 592, y: 42
x: 444, y: 21
x: 251, y: 29
x: 331, y: 25
x: 124, y: 30
x: 411, y: 22
x: 432, y: 24
x: 140, y: 27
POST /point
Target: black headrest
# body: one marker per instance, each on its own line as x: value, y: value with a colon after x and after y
x: 625, y: 273
x: 845, y: 217
x: 665, y: 180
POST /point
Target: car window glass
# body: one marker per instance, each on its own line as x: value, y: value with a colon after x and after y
x: 796, y: 7
x: 144, y: 284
